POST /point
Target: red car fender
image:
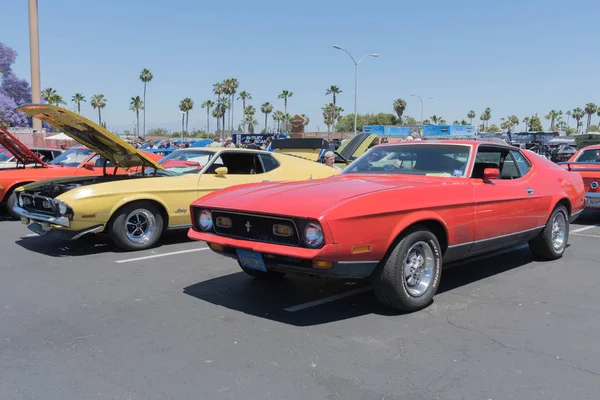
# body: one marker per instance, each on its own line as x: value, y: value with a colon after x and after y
x: 414, y: 218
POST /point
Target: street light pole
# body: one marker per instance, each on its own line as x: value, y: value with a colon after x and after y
x: 34, y: 60
x: 355, y: 77
x: 419, y: 97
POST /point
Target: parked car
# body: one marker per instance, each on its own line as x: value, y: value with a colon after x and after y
x: 8, y: 160
x: 396, y: 222
x: 586, y: 162
x: 136, y: 209
x: 77, y: 161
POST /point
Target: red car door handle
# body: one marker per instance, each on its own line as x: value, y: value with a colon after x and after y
x: 530, y: 191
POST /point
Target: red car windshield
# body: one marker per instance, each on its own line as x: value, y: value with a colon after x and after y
x: 414, y: 159
x: 591, y: 156
x: 72, y: 157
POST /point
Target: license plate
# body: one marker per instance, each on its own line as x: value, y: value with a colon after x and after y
x: 592, y: 202
x: 251, y: 259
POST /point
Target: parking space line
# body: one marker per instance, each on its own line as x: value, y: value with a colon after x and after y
x: 160, y: 255
x: 327, y: 299
x: 31, y: 235
x: 586, y: 235
x: 585, y: 228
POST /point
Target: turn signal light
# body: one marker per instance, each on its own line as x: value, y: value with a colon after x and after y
x: 365, y: 248
x: 322, y: 264
x: 216, y: 247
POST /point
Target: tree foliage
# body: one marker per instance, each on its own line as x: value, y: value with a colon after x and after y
x: 13, y: 91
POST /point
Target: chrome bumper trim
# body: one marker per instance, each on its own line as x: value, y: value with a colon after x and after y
x: 593, y: 195
x: 62, y: 221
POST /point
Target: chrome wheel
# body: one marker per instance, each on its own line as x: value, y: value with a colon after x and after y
x: 559, y: 229
x: 418, y: 268
x: 140, y: 226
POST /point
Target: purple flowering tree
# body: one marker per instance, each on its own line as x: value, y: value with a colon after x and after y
x: 13, y: 91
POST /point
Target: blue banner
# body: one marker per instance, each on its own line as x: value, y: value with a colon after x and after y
x: 448, y: 130
x: 383, y: 130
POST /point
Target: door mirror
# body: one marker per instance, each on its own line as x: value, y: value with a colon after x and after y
x: 89, y: 165
x: 490, y: 173
x: 221, y: 171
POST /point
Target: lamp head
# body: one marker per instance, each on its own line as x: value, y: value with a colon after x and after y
x: 335, y: 46
x: 375, y: 55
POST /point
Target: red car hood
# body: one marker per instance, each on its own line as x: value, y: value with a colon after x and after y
x: 18, y: 149
x: 309, y: 198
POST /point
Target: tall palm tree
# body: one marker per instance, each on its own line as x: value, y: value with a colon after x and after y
x: 514, y: 120
x: 47, y: 93
x: 218, y: 114
x: 56, y: 99
x: 266, y: 108
x: 399, y: 107
x: 145, y: 76
x: 436, y: 120
x: 186, y: 106
x: 77, y: 99
x: 219, y: 89
x: 471, y: 114
x: 568, y: 113
x: 224, y: 105
x: 285, y: 94
x: 333, y: 90
x: 278, y: 116
x: 552, y: 116
x: 331, y: 113
x: 208, y: 104
x: 577, y: 115
x: 136, y: 105
x: 244, y: 96
x: 232, y: 85
x: 526, y: 120
x: 98, y: 102
x: 590, y: 109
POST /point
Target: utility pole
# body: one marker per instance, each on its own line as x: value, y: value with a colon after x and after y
x: 34, y: 51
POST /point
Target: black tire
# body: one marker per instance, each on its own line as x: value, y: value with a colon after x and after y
x: 542, y: 246
x: 266, y: 276
x: 10, y: 202
x: 144, y: 210
x: 390, y: 285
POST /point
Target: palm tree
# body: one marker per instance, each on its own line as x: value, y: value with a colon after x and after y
x: 568, y: 113
x: 218, y: 89
x: 514, y: 120
x: 77, y: 99
x: 218, y: 114
x: 471, y: 114
x: 208, y: 104
x: 333, y: 90
x: 56, y: 99
x: 266, y: 108
x: 136, y: 105
x: 98, y: 102
x: 590, y: 109
x: 426, y: 122
x: 223, y: 104
x: 244, y: 96
x: 552, y: 116
x: 285, y: 94
x: 436, y: 120
x: 526, y: 121
x: 145, y: 76
x: 47, y: 93
x: 577, y: 115
x: 278, y: 116
x: 230, y: 89
x: 330, y: 114
x: 399, y: 107
x: 186, y: 106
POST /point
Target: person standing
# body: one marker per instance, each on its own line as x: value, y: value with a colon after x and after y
x: 330, y: 160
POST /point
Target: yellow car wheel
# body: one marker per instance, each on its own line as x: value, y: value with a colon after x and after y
x: 137, y: 226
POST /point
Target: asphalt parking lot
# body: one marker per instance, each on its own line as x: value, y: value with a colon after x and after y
x: 86, y: 321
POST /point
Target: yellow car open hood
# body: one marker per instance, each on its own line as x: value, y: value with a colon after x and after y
x: 90, y: 134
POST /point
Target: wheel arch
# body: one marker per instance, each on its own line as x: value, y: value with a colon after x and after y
x: 128, y: 201
x: 431, y: 222
x: 12, y: 188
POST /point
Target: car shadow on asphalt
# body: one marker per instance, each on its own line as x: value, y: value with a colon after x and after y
x: 269, y: 300
x: 88, y: 245
x: 588, y: 217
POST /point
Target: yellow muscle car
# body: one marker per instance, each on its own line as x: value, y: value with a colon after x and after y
x: 135, y: 209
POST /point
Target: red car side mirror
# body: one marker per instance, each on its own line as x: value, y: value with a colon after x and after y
x: 490, y: 173
x: 89, y: 165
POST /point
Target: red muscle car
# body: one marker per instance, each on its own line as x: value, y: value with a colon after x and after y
x: 76, y: 161
x: 396, y: 215
x: 587, y: 163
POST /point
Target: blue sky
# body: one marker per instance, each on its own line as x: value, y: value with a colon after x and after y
x: 517, y: 57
